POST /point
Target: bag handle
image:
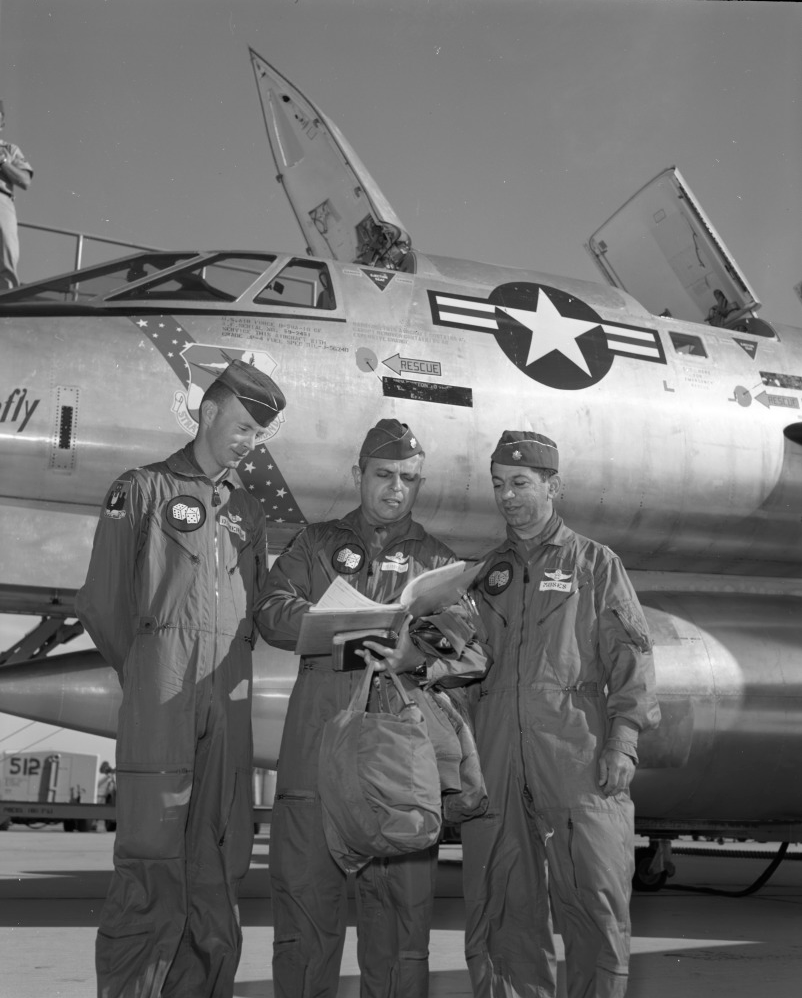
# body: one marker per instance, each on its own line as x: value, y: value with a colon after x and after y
x: 359, y: 700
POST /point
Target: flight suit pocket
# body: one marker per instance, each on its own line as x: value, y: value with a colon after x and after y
x: 152, y: 813
x: 236, y: 841
x: 630, y: 616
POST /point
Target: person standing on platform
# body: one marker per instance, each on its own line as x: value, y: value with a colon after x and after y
x: 15, y: 171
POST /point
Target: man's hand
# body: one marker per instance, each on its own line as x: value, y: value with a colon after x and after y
x: 616, y: 770
x: 405, y: 657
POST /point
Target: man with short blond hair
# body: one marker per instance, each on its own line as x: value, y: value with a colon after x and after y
x: 177, y: 570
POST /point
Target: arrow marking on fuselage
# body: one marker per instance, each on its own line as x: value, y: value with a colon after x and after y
x: 412, y: 365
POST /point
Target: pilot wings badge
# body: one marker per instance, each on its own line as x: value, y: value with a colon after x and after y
x: 558, y: 581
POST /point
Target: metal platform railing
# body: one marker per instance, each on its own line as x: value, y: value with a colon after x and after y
x: 47, y: 250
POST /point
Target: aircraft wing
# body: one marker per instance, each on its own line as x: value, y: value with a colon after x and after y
x: 342, y: 213
x: 662, y: 248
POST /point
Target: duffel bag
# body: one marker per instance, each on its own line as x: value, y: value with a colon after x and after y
x: 378, y: 779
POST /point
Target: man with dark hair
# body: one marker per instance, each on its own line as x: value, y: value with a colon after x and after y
x: 15, y: 171
x: 557, y: 720
x: 377, y: 548
x: 178, y: 565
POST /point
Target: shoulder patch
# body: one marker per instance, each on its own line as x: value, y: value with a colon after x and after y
x: 498, y: 578
x: 348, y: 559
x: 117, y: 499
x: 185, y: 513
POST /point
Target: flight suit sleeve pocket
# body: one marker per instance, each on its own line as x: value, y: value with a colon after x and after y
x: 630, y: 616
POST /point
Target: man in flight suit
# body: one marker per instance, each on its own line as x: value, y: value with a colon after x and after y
x: 377, y: 548
x: 557, y: 723
x: 178, y: 564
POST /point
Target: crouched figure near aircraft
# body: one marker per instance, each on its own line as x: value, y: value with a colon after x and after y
x: 558, y: 755
x: 178, y: 563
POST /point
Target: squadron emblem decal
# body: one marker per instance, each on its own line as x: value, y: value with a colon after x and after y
x: 498, y: 578
x: 196, y: 365
x: 116, y: 499
x: 348, y: 559
x: 186, y: 513
x: 550, y: 335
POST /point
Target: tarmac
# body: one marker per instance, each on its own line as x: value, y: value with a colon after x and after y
x: 685, y: 944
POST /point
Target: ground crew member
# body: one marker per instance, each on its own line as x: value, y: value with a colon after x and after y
x: 378, y: 548
x: 178, y: 564
x: 557, y: 722
x: 15, y: 171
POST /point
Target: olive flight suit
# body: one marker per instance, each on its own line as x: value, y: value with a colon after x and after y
x: 176, y: 568
x: 394, y: 896
x: 572, y: 673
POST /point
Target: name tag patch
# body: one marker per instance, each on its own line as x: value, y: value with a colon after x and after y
x: 557, y: 581
x: 235, y: 528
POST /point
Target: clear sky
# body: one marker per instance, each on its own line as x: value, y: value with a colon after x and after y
x: 500, y: 130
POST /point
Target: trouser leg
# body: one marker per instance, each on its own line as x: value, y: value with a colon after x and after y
x: 143, y: 917
x: 591, y: 862
x: 395, y: 898
x: 219, y: 840
x: 309, y: 900
x: 9, y: 244
x: 509, y: 940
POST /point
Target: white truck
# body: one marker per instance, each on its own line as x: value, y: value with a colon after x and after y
x: 32, y: 782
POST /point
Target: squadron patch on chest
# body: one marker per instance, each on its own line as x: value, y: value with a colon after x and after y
x: 498, y: 578
x: 186, y: 513
x: 348, y: 559
x: 557, y: 581
x: 116, y: 500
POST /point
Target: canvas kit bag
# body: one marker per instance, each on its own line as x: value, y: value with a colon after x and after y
x: 378, y: 779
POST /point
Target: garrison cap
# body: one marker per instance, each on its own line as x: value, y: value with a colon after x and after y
x: 260, y: 395
x: 532, y: 450
x: 391, y: 440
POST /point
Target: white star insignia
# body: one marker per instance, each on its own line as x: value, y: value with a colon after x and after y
x: 281, y: 493
x: 249, y: 467
x: 142, y: 323
x: 552, y: 331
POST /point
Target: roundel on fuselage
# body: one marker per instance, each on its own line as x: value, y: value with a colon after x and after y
x: 550, y: 335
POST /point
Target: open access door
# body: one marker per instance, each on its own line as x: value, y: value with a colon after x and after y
x: 662, y: 248
x: 342, y: 213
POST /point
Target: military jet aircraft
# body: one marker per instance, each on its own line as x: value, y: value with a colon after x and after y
x: 676, y: 407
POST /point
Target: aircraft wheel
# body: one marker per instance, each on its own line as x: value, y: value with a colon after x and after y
x: 5, y: 825
x: 645, y: 879
x: 84, y: 825
x: 111, y: 826
x: 69, y: 824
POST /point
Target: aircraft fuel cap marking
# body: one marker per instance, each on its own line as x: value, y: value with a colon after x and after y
x: 552, y: 336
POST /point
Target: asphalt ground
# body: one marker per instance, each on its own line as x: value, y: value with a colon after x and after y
x: 687, y: 944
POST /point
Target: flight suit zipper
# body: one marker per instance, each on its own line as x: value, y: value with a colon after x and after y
x: 524, y: 596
